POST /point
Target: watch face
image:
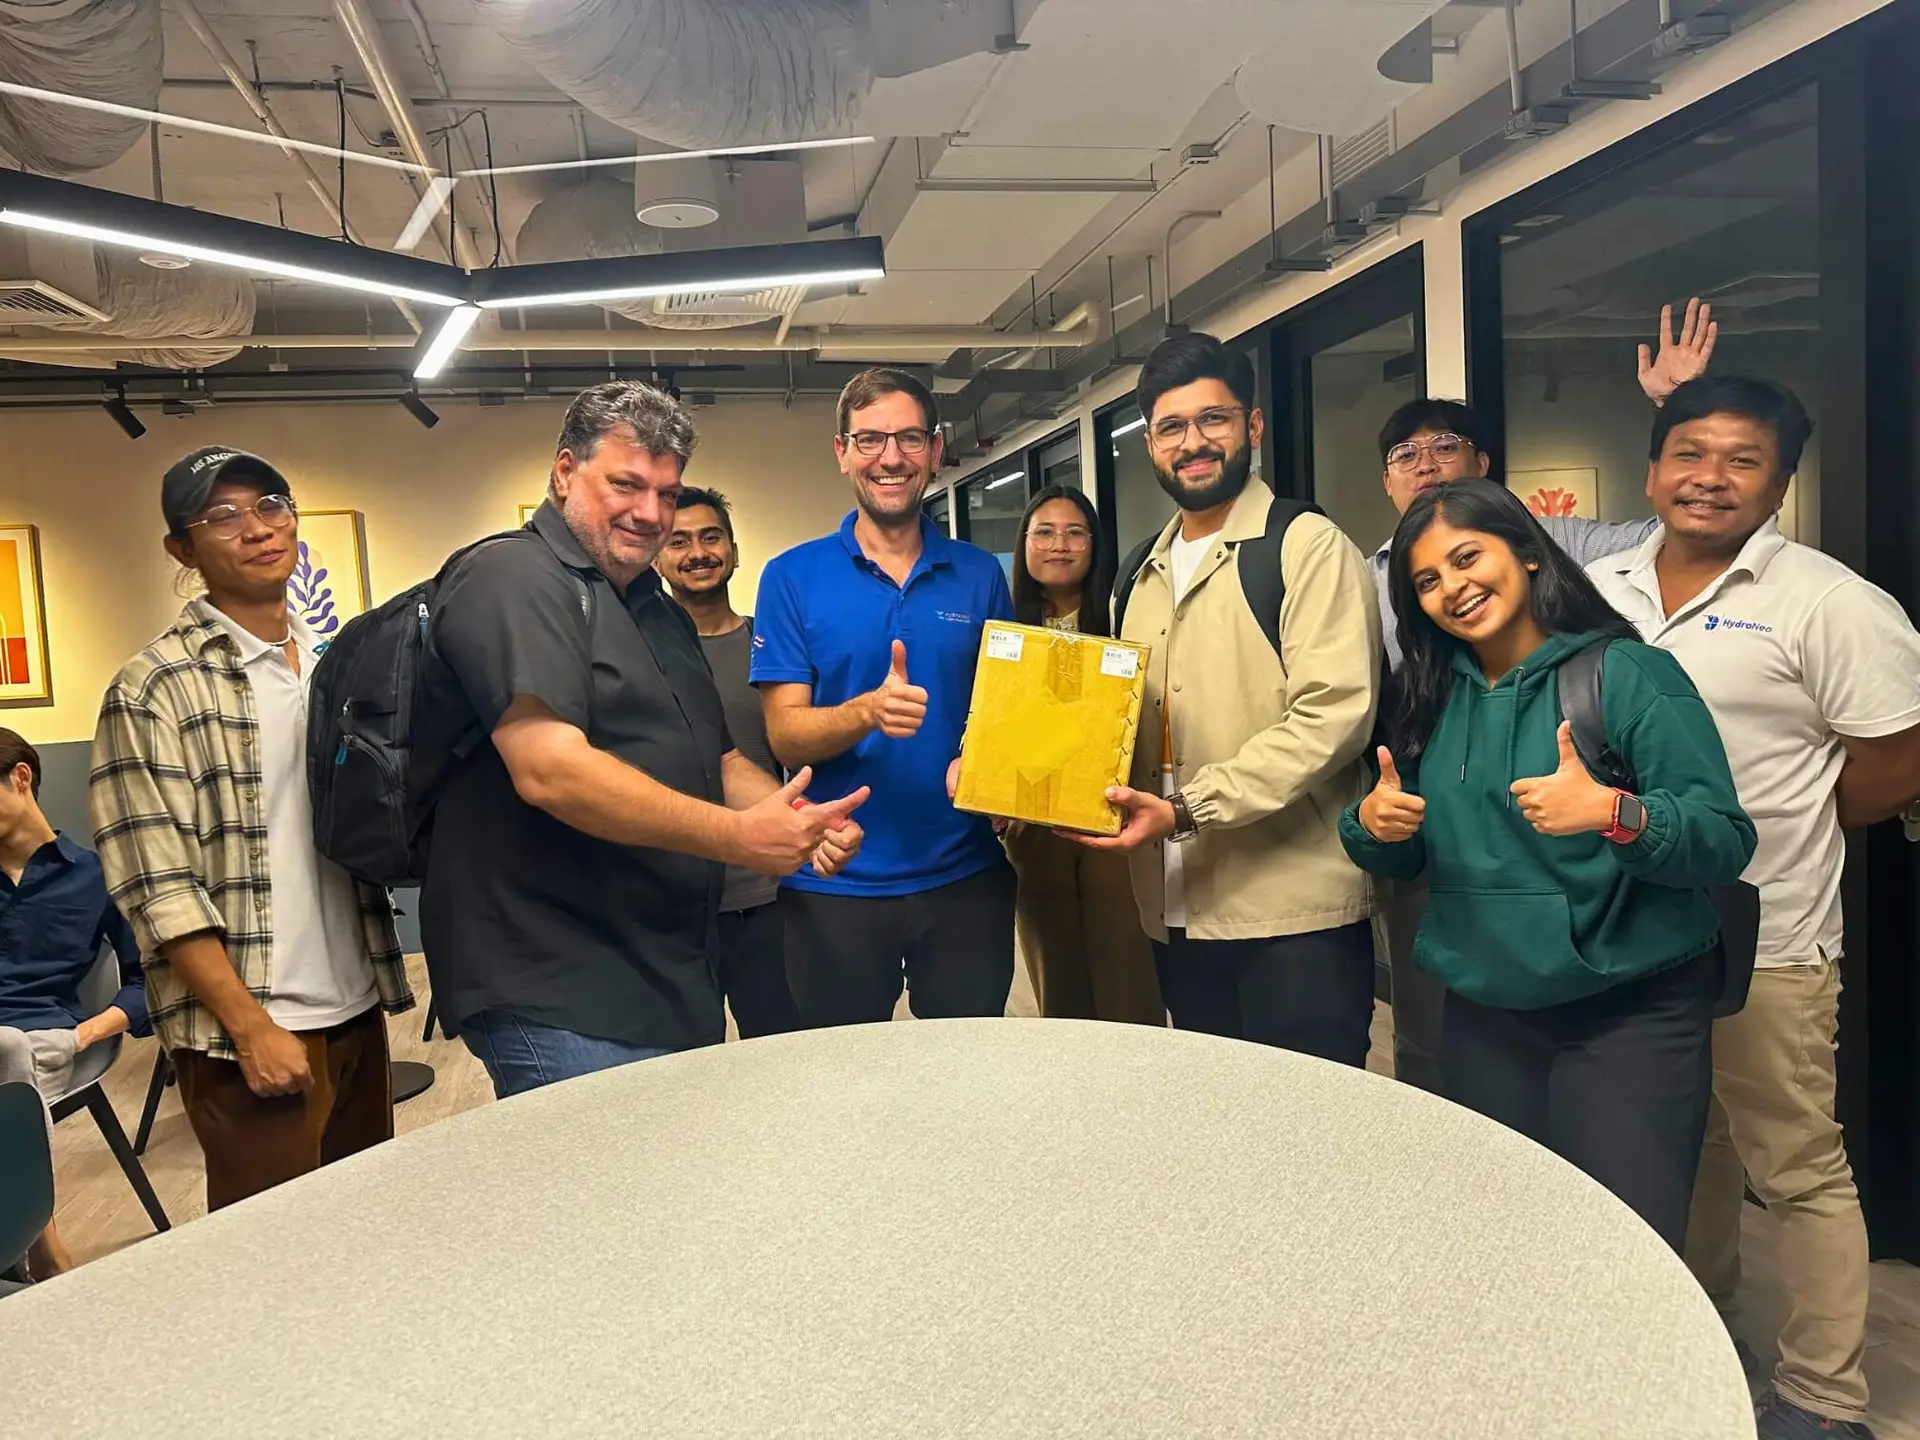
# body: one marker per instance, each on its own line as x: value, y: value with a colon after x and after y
x: 1633, y: 815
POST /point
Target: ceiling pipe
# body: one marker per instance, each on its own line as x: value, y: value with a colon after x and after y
x: 879, y: 341
x: 263, y: 112
x: 1184, y: 217
x: 423, y: 37
x: 364, y: 35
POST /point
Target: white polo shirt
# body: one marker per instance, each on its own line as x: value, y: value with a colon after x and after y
x: 319, y: 971
x: 1791, y: 650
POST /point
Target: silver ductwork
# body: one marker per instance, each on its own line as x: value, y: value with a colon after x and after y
x: 102, y: 49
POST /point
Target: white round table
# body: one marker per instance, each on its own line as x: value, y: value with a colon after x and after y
x: 1010, y: 1228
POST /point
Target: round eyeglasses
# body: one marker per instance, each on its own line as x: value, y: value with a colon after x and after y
x: 276, y: 512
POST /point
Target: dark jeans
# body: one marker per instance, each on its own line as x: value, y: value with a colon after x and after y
x: 1311, y: 993
x: 522, y: 1054
x: 753, y: 971
x: 1617, y: 1084
x: 1418, y: 998
x: 846, y: 954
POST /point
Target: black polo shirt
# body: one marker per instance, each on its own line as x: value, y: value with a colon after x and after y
x: 521, y: 912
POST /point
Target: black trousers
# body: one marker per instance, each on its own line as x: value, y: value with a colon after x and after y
x: 846, y: 954
x: 753, y: 971
x: 1312, y: 993
x: 1617, y: 1084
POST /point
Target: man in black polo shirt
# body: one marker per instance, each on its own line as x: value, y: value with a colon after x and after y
x: 569, y: 910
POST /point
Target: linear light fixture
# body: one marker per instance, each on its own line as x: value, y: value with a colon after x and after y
x: 438, y: 346
x: 1139, y: 422
x: 735, y: 270
x: 59, y: 207
x: 1004, y: 480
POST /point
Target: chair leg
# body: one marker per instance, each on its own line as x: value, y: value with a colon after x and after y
x: 426, y: 1034
x: 162, y: 1073
x: 102, y: 1111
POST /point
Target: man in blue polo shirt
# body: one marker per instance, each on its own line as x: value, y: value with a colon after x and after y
x: 864, y: 648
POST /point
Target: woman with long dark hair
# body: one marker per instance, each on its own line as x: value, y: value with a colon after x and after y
x: 1570, y: 922
x: 1074, y: 912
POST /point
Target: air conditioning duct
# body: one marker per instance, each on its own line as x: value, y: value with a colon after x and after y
x: 49, y: 280
x: 102, y: 49
x: 67, y: 285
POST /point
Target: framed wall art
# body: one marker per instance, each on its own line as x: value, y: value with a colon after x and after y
x: 26, y: 677
x: 1567, y: 494
x: 329, y: 584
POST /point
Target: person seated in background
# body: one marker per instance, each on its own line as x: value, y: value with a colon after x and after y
x: 55, y: 915
x: 1079, y: 928
x: 1813, y: 674
x: 268, y: 966
x: 1570, y: 923
x: 698, y: 563
x: 1427, y: 443
x: 569, y: 914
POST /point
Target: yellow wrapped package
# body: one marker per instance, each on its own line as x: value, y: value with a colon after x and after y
x: 1051, y: 726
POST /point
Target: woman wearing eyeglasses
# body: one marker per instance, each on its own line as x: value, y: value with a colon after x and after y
x: 1569, y: 922
x: 1075, y: 914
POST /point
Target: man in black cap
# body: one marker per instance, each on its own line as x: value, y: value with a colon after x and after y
x: 268, y: 967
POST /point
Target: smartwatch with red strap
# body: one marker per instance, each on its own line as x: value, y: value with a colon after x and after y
x: 1629, y: 819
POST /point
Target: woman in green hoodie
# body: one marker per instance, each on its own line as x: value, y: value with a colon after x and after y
x: 1569, y: 922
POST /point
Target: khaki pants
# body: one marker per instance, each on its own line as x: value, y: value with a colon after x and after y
x: 1773, y: 1118
x: 1080, y: 931
x: 253, y: 1143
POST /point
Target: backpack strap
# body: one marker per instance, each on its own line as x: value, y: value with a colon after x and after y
x: 1578, y: 681
x: 1128, y: 573
x: 1262, y: 579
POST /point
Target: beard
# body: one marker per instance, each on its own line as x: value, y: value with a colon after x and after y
x: 1236, y: 466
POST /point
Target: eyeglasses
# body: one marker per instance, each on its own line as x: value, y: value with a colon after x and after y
x: 224, y: 522
x: 1441, y: 447
x: 870, y: 443
x: 1214, y: 425
x: 1050, y: 537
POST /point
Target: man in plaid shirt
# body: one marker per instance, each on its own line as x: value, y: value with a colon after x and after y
x: 268, y: 967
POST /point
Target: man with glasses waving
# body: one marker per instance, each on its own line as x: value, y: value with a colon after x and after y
x: 1425, y: 443
x: 864, y: 647
x: 268, y: 967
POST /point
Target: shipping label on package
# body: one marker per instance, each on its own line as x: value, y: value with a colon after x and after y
x: 1051, y: 727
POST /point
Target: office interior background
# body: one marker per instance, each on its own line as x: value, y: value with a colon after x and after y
x: 1375, y: 198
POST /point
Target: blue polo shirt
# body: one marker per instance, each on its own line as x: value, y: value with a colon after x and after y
x: 827, y: 617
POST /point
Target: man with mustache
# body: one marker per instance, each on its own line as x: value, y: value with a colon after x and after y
x: 1244, y: 763
x: 864, y: 648
x: 267, y: 965
x: 697, y: 563
x: 588, y: 792
x: 1813, y: 676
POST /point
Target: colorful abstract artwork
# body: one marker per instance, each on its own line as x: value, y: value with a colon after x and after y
x: 329, y: 583
x: 25, y: 678
x: 1566, y: 494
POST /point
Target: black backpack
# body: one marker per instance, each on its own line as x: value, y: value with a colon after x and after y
x: 371, y: 802
x: 1737, y: 904
x: 1261, y: 580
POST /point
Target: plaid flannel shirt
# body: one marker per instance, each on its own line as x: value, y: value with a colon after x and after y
x: 179, y: 819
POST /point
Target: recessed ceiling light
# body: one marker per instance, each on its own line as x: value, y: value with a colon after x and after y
x: 165, y: 262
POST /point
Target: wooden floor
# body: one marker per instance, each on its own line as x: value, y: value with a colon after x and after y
x: 98, y: 1213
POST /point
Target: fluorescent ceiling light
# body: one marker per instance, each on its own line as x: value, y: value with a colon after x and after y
x: 82, y: 230
x: 1006, y: 480
x: 446, y: 340
x: 1139, y: 422
x: 741, y: 286
x: 206, y: 127
x: 715, y: 154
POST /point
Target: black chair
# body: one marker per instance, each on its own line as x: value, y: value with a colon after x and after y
x: 26, y: 1175
x: 88, y: 1091
x: 162, y: 1078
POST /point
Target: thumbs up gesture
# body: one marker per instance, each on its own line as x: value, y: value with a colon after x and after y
x: 1390, y: 814
x: 1569, y: 801
x: 898, y: 707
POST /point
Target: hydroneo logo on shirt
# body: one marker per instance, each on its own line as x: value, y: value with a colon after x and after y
x: 1714, y: 622
x: 954, y: 617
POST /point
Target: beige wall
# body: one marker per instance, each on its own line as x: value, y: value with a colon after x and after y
x: 95, y: 495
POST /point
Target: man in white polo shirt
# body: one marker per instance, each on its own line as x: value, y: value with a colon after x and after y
x: 1813, y: 676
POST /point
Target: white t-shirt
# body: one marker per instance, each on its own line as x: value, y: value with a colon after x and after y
x: 1791, y: 650
x: 319, y: 973
x: 1183, y: 559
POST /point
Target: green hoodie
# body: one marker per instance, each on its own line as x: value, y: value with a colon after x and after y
x: 1523, y: 920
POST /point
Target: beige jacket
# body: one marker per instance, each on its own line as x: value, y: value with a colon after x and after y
x: 1267, y: 755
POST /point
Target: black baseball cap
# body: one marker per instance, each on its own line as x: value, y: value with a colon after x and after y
x: 184, y: 490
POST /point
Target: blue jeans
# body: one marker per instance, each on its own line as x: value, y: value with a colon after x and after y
x: 522, y: 1054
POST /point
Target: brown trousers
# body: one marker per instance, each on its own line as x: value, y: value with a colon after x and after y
x: 253, y: 1142
x: 1079, y: 929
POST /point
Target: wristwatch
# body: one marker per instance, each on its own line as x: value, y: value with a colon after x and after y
x: 1629, y: 819
x: 1184, y: 827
